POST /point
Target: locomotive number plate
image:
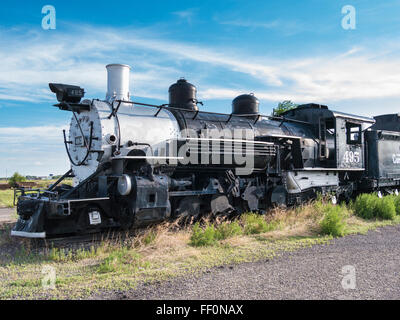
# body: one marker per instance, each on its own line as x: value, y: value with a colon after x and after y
x: 351, y: 157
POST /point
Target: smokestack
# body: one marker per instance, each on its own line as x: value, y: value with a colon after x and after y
x: 118, y: 82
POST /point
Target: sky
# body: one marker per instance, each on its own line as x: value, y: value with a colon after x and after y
x: 278, y: 50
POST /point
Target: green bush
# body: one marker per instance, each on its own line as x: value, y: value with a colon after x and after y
x: 333, y: 222
x: 254, y: 223
x: 15, y: 179
x: 369, y: 206
x: 283, y: 107
x: 210, y: 234
x: 385, y: 208
x: 364, y: 205
x: 396, y: 200
x: 227, y: 230
x: 203, y: 237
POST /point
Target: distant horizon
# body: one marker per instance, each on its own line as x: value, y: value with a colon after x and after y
x: 32, y: 175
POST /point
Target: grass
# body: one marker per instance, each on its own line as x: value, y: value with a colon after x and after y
x: 228, y: 230
x: 249, y: 224
x: 6, y: 198
x: 255, y: 224
x: 122, y: 259
x: 203, y: 236
x: 64, y: 255
x: 166, y: 251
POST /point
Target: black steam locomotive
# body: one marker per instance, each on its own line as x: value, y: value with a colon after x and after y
x: 135, y: 164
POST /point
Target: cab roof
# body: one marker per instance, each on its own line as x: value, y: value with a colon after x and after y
x: 311, y: 112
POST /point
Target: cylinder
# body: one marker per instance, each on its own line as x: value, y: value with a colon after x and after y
x: 246, y: 104
x: 182, y: 94
x: 118, y: 82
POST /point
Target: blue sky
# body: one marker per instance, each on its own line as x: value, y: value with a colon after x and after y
x: 278, y: 50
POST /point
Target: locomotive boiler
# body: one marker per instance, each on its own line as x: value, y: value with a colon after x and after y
x: 135, y: 164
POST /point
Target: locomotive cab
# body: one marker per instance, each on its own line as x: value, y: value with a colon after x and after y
x: 333, y: 156
x: 339, y: 136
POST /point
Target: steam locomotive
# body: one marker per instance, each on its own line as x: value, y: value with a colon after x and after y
x: 134, y: 164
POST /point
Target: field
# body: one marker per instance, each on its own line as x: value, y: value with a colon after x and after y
x: 150, y: 255
x: 6, y: 198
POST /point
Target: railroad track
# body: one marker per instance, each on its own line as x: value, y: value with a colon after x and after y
x: 88, y: 239
x: 94, y: 238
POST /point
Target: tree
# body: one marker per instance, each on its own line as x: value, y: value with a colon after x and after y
x: 15, y: 179
x: 283, y: 107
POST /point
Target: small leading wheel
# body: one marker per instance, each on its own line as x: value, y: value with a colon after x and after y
x: 188, y: 209
x: 278, y: 197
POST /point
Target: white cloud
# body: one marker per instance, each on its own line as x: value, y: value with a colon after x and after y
x: 283, y: 27
x: 26, y: 70
x: 186, y: 15
x: 35, y: 150
x: 252, y: 24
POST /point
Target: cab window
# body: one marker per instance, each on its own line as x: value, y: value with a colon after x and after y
x: 353, y: 133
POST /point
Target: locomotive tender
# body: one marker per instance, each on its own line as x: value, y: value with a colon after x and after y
x: 134, y: 164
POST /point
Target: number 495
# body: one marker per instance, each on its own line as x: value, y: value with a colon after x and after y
x: 352, y: 157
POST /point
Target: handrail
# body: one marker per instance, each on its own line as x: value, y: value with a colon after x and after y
x: 87, y: 146
x: 168, y: 107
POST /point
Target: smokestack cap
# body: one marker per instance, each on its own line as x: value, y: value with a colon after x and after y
x: 118, y: 65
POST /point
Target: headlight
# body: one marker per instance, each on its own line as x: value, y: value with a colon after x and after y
x: 67, y: 93
x: 124, y: 185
